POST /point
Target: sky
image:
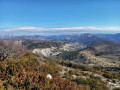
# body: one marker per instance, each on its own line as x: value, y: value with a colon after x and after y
x: 51, y: 17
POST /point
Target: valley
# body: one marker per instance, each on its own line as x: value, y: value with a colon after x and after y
x: 69, y: 63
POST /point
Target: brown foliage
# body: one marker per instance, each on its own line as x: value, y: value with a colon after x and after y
x: 64, y: 84
x: 27, y: 74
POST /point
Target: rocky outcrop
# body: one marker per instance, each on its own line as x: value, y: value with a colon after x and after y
x: 53, y: 51
x: 45, y: 52
x: 72, y: 46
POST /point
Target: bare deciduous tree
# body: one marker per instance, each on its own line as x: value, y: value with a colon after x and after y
x: 10, y: 48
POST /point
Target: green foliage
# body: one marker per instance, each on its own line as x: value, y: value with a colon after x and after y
x: 72, y: 65
x: 116, y: 88
x: 88, y: 82
x: 94, y: 84
x: 106, y: 74
x: 69, y: 55
x: 30, y: 44
x: 111, y: 75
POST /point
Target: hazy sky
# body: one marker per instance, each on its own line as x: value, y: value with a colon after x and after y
x: 59, y: 13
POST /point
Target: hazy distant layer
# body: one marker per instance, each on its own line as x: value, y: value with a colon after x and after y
x: 17, y: 31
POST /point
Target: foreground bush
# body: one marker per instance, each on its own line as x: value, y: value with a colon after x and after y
x: 27, y: 73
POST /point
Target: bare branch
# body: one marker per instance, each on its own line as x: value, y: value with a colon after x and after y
x: 10, y: 48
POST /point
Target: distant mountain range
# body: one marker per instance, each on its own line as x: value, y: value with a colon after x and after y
x: 113, y: 37
x: 91, y: 49
x: 84, y: 38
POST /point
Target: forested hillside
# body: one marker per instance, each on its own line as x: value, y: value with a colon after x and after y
x: 21, y: 69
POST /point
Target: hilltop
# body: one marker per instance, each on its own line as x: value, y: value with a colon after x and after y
x: 31, y: 70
